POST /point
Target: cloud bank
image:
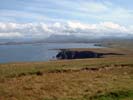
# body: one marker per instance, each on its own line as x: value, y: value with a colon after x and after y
x: 44, y: 30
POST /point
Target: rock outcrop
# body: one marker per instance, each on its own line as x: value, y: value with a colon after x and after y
x: 68, y: 54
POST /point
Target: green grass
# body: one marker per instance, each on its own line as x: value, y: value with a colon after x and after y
x: 21, y: 69
x: 116, y: 95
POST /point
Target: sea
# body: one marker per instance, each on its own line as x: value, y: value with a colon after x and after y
x: 37, y: 51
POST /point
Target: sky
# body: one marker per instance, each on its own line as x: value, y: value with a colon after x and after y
x: 43, y: 18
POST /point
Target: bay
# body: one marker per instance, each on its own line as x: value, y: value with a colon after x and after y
x: 36, y: 52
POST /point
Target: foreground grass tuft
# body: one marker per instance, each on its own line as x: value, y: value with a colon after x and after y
x: 116, y: 95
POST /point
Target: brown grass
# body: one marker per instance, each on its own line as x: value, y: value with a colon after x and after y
x: 67, y: 79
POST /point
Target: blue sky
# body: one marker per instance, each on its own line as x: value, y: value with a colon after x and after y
x: 113, y: 13
x: 88, y: 11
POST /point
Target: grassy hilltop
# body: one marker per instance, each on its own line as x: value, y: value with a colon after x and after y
x: 107, y: 78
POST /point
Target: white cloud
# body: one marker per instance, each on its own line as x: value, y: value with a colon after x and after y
x: 44, y: 30
x: 78, y: 25
x: 113, y: 26
x: 10, y: 35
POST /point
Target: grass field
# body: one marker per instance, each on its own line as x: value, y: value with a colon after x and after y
x: 108, y: 78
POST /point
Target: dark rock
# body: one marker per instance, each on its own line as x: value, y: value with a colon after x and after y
x: 67, y: 54
x: 39, y: 73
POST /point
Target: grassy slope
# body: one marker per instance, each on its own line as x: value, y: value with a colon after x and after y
x: 109, y: 78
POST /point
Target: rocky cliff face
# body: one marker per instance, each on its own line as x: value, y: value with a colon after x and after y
x: 67, y: 54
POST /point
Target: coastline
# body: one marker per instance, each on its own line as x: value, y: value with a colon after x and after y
x: 97, y: 77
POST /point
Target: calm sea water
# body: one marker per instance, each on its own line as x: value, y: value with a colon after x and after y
x: 36, y: 52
